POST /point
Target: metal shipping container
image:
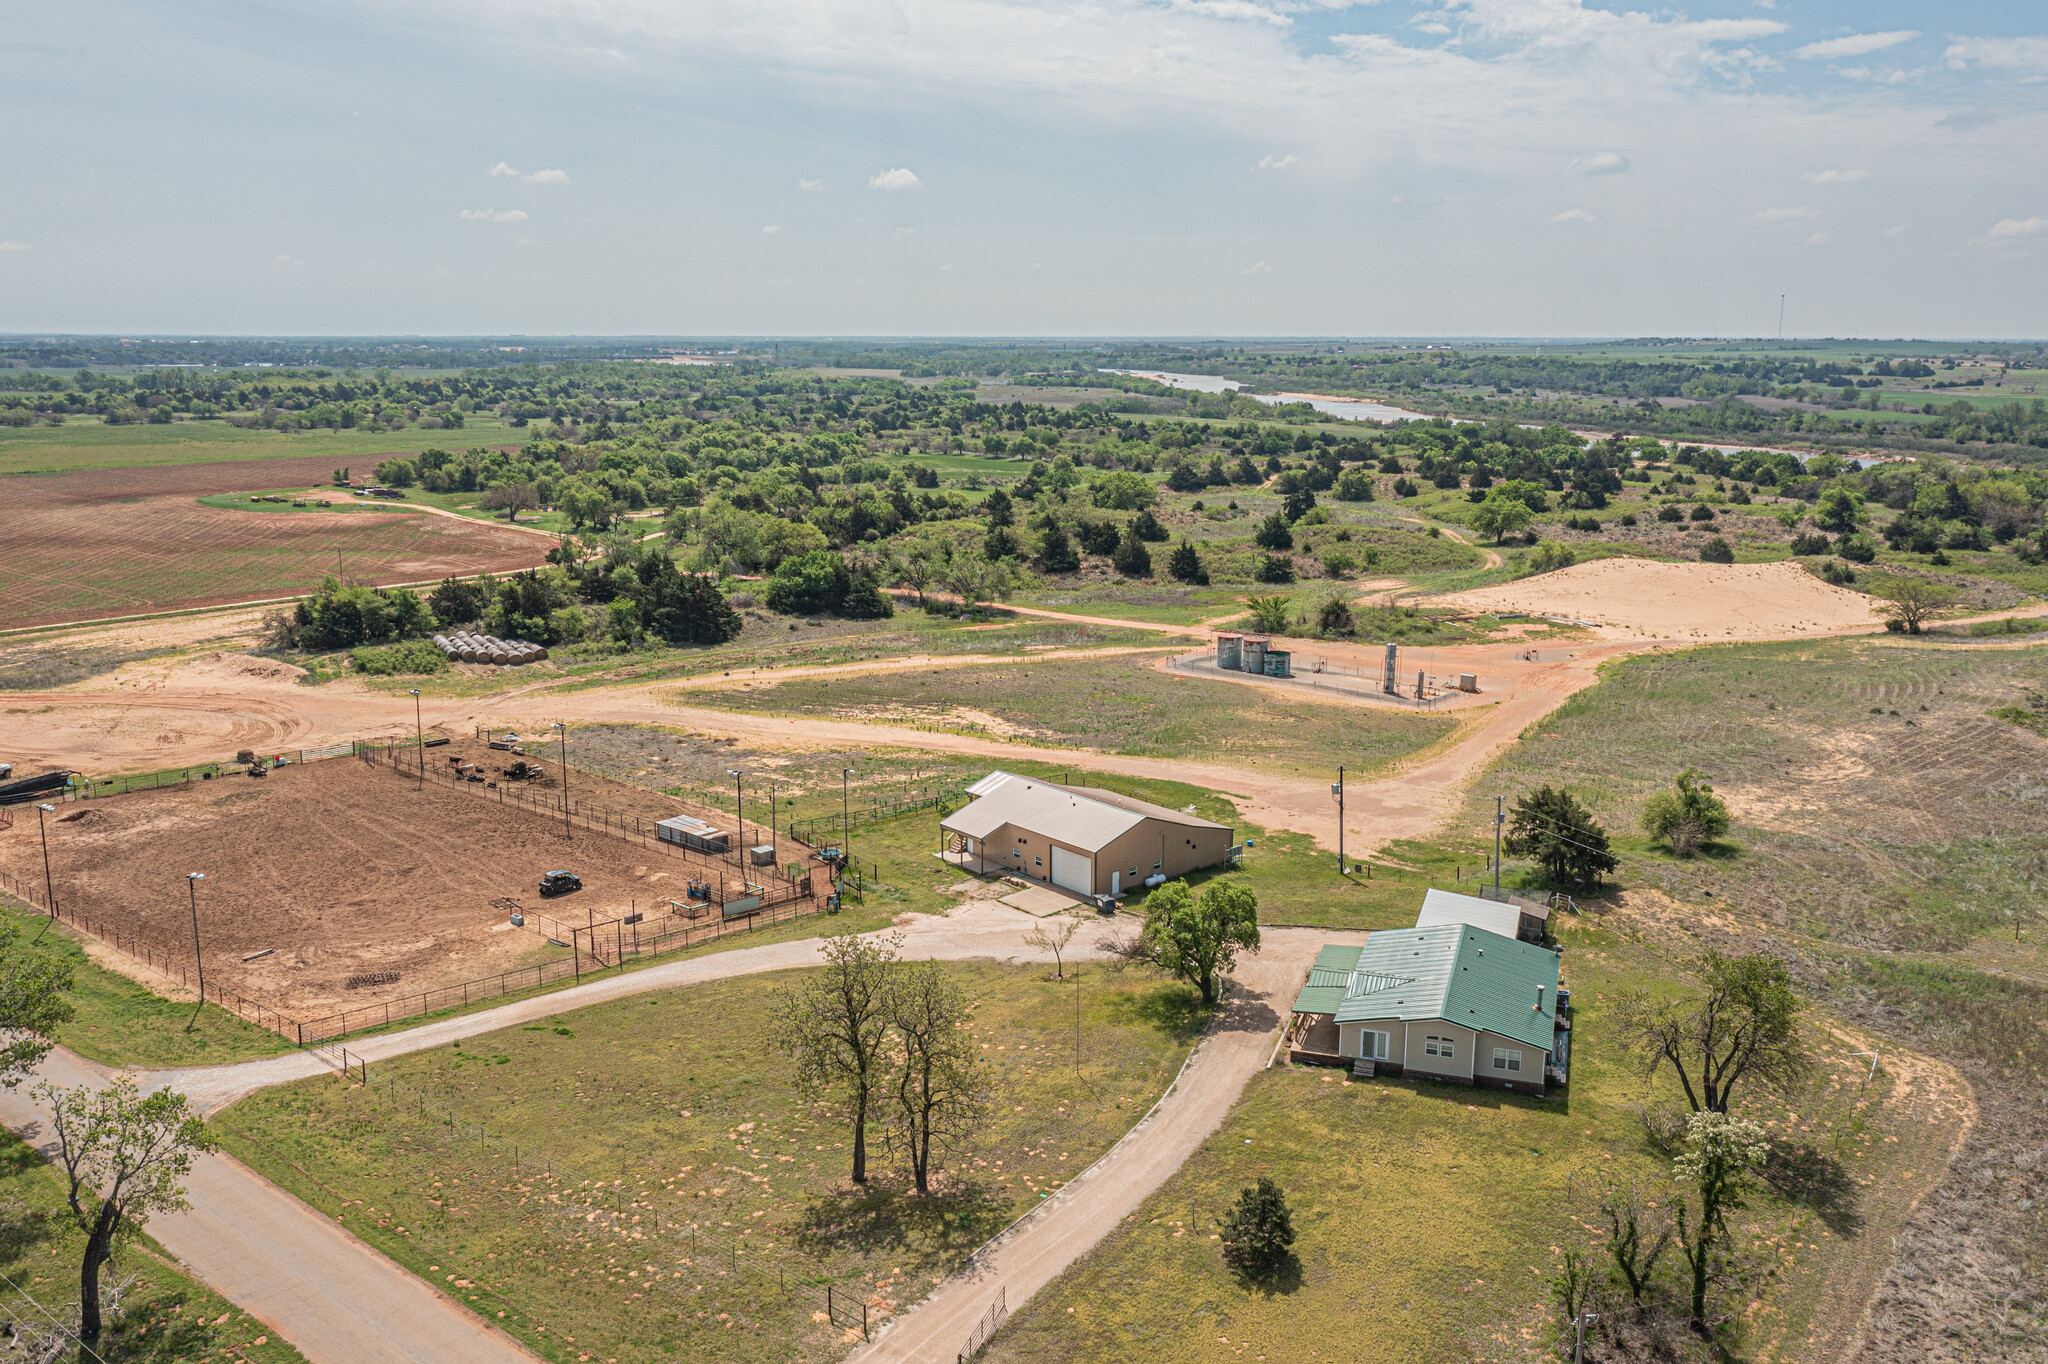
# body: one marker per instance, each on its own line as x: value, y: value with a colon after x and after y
x: 692, y: 833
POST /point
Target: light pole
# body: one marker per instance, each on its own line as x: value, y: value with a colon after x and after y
x: 1338, y: 792
x: 739, y: 803
x: 566, y: 831
x: 845, y: 818
x: 419, y: 737
x: 49, y: 890
x: 1499, y: 818
x: 192, y: 880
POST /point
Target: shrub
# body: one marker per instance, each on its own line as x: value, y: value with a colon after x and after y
x: 408, y: 656
x: 1703, y: 512
x: 1334, y: 617
x: 1405, y: 487
x: 1354, y: 485
x: 1629, y: 519
x: 1836, y: 572
x: 1716, y: 551
x: 1806, y: 543
x: 1269, y: 614
x: 1686, y: 816
x: 1098, y: 537
x: 1258, y: 1232
x: 1125, y: 491
x: 1055, y: 554
x: 1338, y: 564
x: 819, y: 581
x: 1551, y: 555
x: 1857, y: 548
x: 1131, y: 558
x: 1669, y: 513
x: 1276, y: 568
x: 1273, y: 534
x: 1147, y: 528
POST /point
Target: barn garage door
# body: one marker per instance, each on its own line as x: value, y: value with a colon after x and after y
x: 1071, y: 871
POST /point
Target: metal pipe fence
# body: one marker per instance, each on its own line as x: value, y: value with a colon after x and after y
x: 821, y: 829
x: 986, y: 1327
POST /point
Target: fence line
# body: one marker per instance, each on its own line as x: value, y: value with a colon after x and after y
x: 986, y: 1327
x: 731, y: 1249
x: 827, y: 826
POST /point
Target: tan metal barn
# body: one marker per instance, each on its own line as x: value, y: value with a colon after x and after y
x: 1082, y: 839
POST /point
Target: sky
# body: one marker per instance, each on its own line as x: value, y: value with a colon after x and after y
x: 1025, y: 167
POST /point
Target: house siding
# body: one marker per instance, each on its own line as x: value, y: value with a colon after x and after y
x: 1529, y: 1080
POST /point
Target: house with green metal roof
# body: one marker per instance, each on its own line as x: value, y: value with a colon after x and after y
x: 1448, y: 1001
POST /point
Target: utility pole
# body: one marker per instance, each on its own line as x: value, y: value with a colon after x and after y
x: 739, y: 804
x: 419, y: 738
x: 49, y: 890
x: 1781, y: 317
x: 1579, y: 1343
x: 1338, y: 792
x: 845, y: 818
x: 192, y: 880
x: 567, y: 832
x: 1499, y: 818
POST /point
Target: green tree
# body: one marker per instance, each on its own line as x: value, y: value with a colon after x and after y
x: 1839, y: 510
x: 810, y: 583
x: 1124, y: 490
x: 513, y: 498
x: 1298, y: 504
x: 996, y: 507
x: 942, y: 1089
x: 582, y: 502
x: 1055, y: 553
x: 1147, y: 528
x: 1259, y: 1231
x: 1131, y: 557
x: 456, y: 602
x: 836, y: 1026
x: 1687, y: 816
x: 1909, y: 601
x: 1502, y: 514
x: 683, y: 608
x: 1269, y: 614
x: 1721, y: 1152
x: 1354, y: 485
x: 1740, y: 1025
x: 1198, y: 939
x: 1561, y: 834
x: 34, y: 1003
x: 397, y: 473
x: 1185, y: 565
x: 1273, y: 534
x: 124, y: 1157
x: 1334, y: 616
x: 1275, y: 568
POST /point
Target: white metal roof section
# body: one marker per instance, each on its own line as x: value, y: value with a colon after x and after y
x: 1449, y: 907
x: 1047, y: 810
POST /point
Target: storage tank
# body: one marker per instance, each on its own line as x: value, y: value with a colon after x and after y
x: 1279, y: 663
x: 1254, y: 655
x: 1229, y: 649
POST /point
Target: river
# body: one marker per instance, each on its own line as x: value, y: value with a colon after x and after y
x: 1348, y: 409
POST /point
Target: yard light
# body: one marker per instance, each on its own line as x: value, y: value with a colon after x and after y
x: 192, y: 880
x: 1499, y: 818
x: 419, y: 737
x: 566, y: 831
x: 1338, y: 791
x: 49, y: 892
x: 845, y: 818
x: 739, y: 802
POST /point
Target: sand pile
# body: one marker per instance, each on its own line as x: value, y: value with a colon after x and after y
x: 1647, y: 599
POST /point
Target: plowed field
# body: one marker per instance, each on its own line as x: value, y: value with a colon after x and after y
x: 127, y: 541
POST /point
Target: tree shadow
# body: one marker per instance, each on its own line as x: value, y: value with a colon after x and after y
x: 1282, y: 1280
x: 890, y: 1215
x: 1172, y: 1009
x: 1801, y: 1174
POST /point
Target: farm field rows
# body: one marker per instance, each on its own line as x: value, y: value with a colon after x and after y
x: 119, y: 542
x: 82, y: 444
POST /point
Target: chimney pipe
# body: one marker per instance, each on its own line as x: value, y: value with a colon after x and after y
x: 1539, y: 999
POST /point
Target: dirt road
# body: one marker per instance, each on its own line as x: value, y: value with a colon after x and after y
x: 297, y: 1272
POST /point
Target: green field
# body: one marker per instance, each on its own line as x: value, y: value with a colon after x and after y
x: 670, y: 1111
x: 1116, y: 706
x: 89, y: 444
x: 1428, y: 1219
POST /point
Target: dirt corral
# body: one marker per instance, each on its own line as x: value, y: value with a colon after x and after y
x: 339, y: 869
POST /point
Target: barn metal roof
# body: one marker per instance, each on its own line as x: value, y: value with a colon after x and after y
x: 1449, y: 907
x: 1050, y: 811
x: 1457, y: 973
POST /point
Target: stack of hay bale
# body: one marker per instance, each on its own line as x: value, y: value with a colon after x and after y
x: 467, y: 648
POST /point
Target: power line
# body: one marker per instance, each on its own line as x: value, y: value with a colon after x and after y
x: 53, y: 1320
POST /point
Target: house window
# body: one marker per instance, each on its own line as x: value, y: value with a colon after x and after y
x: 1440, y: 1046
x: 1373, y: 1045
x: 1506, y: 1058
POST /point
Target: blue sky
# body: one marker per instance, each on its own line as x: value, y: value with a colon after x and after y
x: 1071, y: 167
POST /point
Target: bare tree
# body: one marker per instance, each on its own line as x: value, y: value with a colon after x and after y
x: 1053, y: 936
x: 1638, y: 1231
x: 125, y: 1156
x: 942, y: 1089
x: 1742, y: 1026
x: 1124, y: 948
x: 835, y: 1025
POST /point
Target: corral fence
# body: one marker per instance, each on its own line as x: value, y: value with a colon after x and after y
x: 827, y: 829
x: 92, y: 788
x: 705, y: 1245
x: 410, y: 762
x: 154, y: 957
x: 986, y: 1327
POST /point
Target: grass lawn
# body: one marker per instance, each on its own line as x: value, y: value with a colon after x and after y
x: 1112, y: 705
x: 670, y: 1112
x: 1428, y: 1219
x: 94, y: 445
x: 121, y: 1023
x: 165, y: 1316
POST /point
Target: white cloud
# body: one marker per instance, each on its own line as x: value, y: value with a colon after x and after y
x: 811, y: 186
x: 494, y: 215
x: 1599, y: 163
x: 771, y: 229
x: 13, y: 246
x: 1573, y: 215
x: 1782, y: 215
x: 1276, y: 162
x: 539, y: 177
x: 1820, y: 239
x: 1855, y: 45
x: 1901, y: 230
x: 893, y: 180
x: 1835, y: 177
x: 2022, y: 53
x: 1259, y: 268
x: 2005, y: 229
x: 906, y: 232
x: 1234, y: 9
x: 944, y: 268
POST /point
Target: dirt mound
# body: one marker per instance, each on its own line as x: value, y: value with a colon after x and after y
x: 90, y: 819
x: 1647, y: 599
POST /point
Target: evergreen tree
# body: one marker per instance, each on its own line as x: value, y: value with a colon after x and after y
x: 1562, y: 835
x: 1131, y: 558
x: 1146, y: 527
x: 1273, y: 533
x: 1258, y: 1232
x: 1055, y: 554
x: 1185, y: 565
x: 997, y: 508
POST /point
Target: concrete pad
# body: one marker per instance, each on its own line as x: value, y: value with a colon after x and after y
x: 1042, y: 901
